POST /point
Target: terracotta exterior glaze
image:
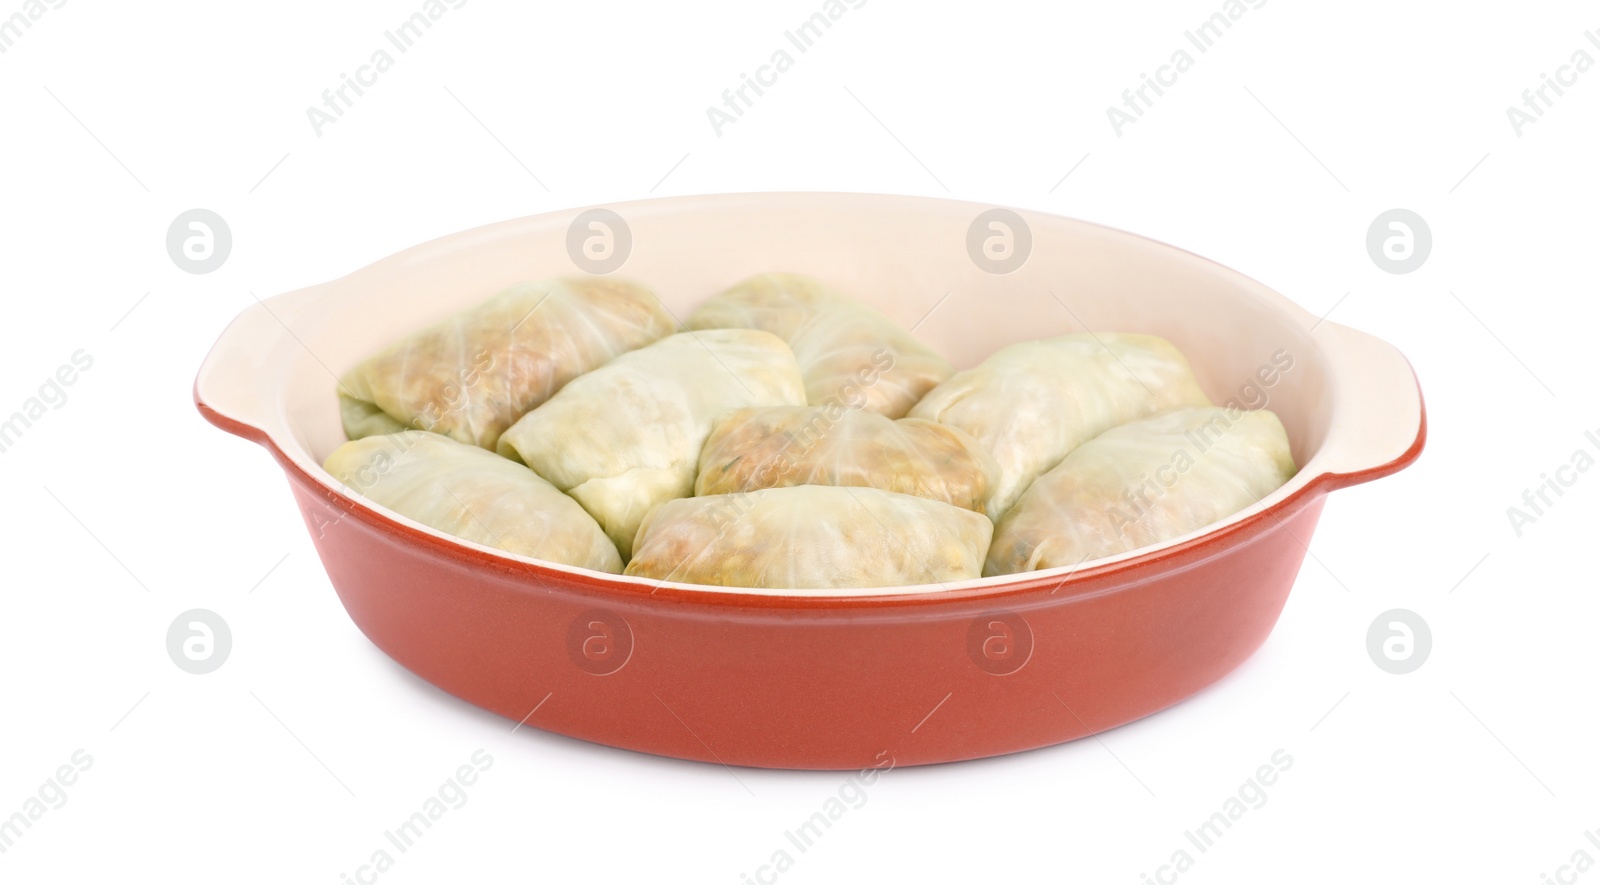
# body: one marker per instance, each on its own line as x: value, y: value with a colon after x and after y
x: 829, y: 682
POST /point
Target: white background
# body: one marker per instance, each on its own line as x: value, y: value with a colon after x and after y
x: 1272, y: 155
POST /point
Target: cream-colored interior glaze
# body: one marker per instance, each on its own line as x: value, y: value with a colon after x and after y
x: 1349, y: 402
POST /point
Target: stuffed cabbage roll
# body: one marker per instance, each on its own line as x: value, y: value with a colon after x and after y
x: 362, y: 419
x: 848, y: 352
x: 1030, y: 404
x: 627, y: 436
x: 1141, y: 484
x: 474, y: 374
x: 811, y: 538
x: 785, y: 446
x: 465, y: 491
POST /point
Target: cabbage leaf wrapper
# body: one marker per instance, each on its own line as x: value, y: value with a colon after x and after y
x: 785, y: 446
x: 1031, y: 403
x: 849, y: 352
x: 470, y: 493
x: 627, y: 436
x: 473, y: 375
x: 1141, y: 484
x: 811, y: 538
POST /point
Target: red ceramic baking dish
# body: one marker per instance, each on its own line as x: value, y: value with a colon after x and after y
x: 855, y: 678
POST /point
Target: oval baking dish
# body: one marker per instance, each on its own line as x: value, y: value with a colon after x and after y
x: 854, y: 678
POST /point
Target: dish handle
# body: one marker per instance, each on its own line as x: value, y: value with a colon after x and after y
x: 238, y: 387
x: 1379, y: 422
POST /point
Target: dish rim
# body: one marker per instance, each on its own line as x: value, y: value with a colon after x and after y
x: 1305, y: 487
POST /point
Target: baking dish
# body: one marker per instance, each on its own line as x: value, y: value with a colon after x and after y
x: 850, y: 679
